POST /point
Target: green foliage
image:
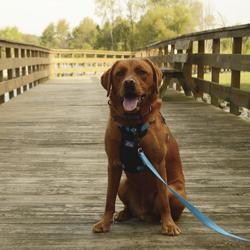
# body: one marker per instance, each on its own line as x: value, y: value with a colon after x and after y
x: 84, y: 35
x: 246, y: 46
x: 12, y: 33
x: 103, y: 40
x: 48, y: 37
x: 62, y: 34
x: 154, y: 26
x: 56, y: 36
x: 132, y: 25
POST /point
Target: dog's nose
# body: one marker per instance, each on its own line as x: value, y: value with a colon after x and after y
x: 129, y: 84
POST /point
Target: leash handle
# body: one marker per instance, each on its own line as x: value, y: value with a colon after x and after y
x: 195, y: 211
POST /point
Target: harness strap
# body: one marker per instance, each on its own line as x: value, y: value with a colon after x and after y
x: 196, y: 212
x: 131, y: 162
x: 134, y: 132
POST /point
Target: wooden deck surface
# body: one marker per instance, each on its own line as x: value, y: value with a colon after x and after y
x: 53, y: 172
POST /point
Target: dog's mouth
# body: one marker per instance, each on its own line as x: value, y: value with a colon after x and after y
x: 132, y: 103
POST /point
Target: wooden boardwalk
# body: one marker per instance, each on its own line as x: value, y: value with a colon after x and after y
x: 53, y: 172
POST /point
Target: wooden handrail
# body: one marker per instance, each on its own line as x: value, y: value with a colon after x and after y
x: 22, y: 66
x: 79, y: 63
x: 170, y: 53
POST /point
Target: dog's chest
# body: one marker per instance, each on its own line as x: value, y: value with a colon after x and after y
x: 130, y: 143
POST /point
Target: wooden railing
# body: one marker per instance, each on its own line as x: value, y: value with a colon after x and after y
x: 204, y: 52
x: 22, y: 66
x: 79, y: 63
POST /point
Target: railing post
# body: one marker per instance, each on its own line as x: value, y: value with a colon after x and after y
x: 165, y: 55
x: 9, y: 71
x: 178, y: 66
x: 160, y: 54
x: 17, y: 70
x: 235, y: 75
x: 172, y: 49
x: 215, y: 71
x: 200, y: 67
x: 1, y: 78
x: 187, y: 72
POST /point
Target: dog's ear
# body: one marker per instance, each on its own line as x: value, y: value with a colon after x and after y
x: 106, y: 79
x: 157, y: 74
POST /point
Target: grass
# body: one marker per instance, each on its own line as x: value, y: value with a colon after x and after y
x: 225, y: 79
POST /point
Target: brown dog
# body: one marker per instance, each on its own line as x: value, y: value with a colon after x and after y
x: 135, y: 120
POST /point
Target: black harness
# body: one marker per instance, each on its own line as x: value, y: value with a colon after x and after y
x: 130, y: 159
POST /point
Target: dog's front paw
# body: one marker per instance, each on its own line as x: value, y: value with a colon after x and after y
x: 101, y: 227
x: 171, y: 229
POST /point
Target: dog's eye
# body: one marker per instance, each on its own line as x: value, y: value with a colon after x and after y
x: 120, y: 73
x: 141, y: 72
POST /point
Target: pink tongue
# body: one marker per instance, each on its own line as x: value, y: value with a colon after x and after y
x: 130, y: 104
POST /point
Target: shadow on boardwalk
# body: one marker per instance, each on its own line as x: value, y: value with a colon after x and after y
x: 53, y: 172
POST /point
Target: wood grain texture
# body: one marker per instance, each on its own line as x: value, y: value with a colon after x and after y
x: 10, y: 63
x: 53, y: 172
x: 11, y: 84
x: 225, y: 32
x: 236, y: 96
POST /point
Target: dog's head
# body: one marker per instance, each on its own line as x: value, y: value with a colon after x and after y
x: 130, y: 83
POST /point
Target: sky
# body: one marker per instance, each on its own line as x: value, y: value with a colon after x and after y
x: 32, y: 16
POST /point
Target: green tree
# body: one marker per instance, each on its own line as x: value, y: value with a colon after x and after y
x: 84, y: 35
x: 48, y: 37
x: 108, y: 10
x: 11, y: 33
x: 135, y: 8
x: 155, y: 25
x: 32, y: 39
x: 167, y: 19
x: 121, y: 32
x: 103, y: 40
x: 62, y: 34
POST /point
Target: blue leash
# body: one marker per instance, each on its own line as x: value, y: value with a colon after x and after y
x: 199, y: 215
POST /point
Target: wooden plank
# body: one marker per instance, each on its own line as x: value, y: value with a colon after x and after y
x: 170, y: 58
x: 240, y: 98
x: 235, y: 62
x: 1, y: 99
x: 200, y: 63
x: 225, y: 32
x: 10, y: 85
x: 10, y: 63
x: 236, y: 96
x: 215, y: 70
x: 235, y: 75
x: 202, y: 85
x: 180, y: 58
x: 182, y: 44
x: 220, y: 91
x: 19, y: 45
x: 53, y: 172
